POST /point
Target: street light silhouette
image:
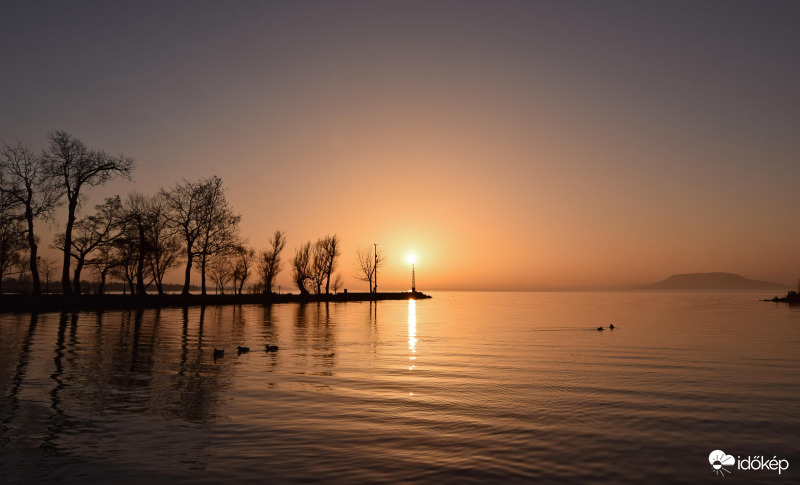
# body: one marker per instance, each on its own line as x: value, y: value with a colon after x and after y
x: 412, y: 259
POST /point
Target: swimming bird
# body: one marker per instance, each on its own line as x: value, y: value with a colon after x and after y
x: 611, y: 326
x: 600, y: 328
x: 271, y: 348
x: 242, y: 350
x: 219, y: 353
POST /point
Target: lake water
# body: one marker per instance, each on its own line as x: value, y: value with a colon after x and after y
x: 466, y: 387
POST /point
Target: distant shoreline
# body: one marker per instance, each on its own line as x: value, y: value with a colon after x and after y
x: 60, y: 303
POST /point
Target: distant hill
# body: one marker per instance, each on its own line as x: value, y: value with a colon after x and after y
x: 712, y: 281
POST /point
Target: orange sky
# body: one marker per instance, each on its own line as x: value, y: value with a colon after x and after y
x: 509, y: 146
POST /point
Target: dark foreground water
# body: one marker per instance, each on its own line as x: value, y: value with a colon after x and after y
x: 467, y: 387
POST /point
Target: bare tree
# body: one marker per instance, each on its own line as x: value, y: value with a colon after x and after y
x: 221, y: 271
x: 140, y: 255
x: 125, y: 259
x: 162, y: 240
x: 46, y: 266
x: 107, y: 261
x: 206, y: 224
x: 76, y: 167
x: 269, y: 263
x: 332, y: 250
x: 26, y: 186
x: 338, y: 282
x: 184, y: 210
x: 12, y: 243
x: 91, y: 232
x: 324, y: 255
x: 367, y: 264
x: 245, y: 257
x: 301, y: 268
x: 319, y: 264
x: 137, y: 224
x: 220, y: 234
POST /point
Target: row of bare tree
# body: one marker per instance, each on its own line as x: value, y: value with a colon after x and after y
x: 138, y: 239
x: 141, y: 238
x: 32, y: 185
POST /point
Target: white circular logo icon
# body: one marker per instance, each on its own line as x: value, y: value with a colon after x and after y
x: 718, y: 460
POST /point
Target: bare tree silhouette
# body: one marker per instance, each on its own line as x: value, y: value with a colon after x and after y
x: 338, y: 283
x: 46, y: 266
x: 269, y: 263
x: 125, y: 258
x: 324, y: 255
x: 184, y: 204
x: 107, y: 261
x: 367, y: 265
x: 163, y: 242
x: 331, y: 250
x: 26, y: 188
x: 75, y: 167
x: 207, y: 225
x: 244, y: 260
x: 220, y: 235
x: 137, y: 224
x: 220, y: 271
x: 90, y: 232
x: 302, y: 272
x: 319, y: 264
x: 12, y: 243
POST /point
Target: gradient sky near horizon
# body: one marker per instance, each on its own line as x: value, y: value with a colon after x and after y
x: 509, y: 145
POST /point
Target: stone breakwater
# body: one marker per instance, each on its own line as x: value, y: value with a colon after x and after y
x: 51, y: 303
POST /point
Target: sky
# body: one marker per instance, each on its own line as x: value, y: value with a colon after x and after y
x: 509, y: 145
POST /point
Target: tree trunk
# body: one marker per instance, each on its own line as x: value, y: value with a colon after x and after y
x: 268, y: 282
x: 34, y: 263
x: 76, y: 280
x: 188, y: 274
x: 65, y: 286
x: 140, y: 263
x: 101, y: 289
x: 203, y: 275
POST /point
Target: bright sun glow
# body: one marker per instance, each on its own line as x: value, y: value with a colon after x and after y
x: 411, y: 259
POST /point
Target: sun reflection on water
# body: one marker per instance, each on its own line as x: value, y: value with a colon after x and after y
x: 412, y: 331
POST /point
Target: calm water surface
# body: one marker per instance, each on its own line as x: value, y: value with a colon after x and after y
x: 467, y: 387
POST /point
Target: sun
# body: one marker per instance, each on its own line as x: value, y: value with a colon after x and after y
x: 412, y: 258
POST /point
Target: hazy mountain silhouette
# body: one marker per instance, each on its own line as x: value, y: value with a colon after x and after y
x: 712, y: 281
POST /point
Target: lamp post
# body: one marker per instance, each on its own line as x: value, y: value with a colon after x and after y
x: 413, y: 259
